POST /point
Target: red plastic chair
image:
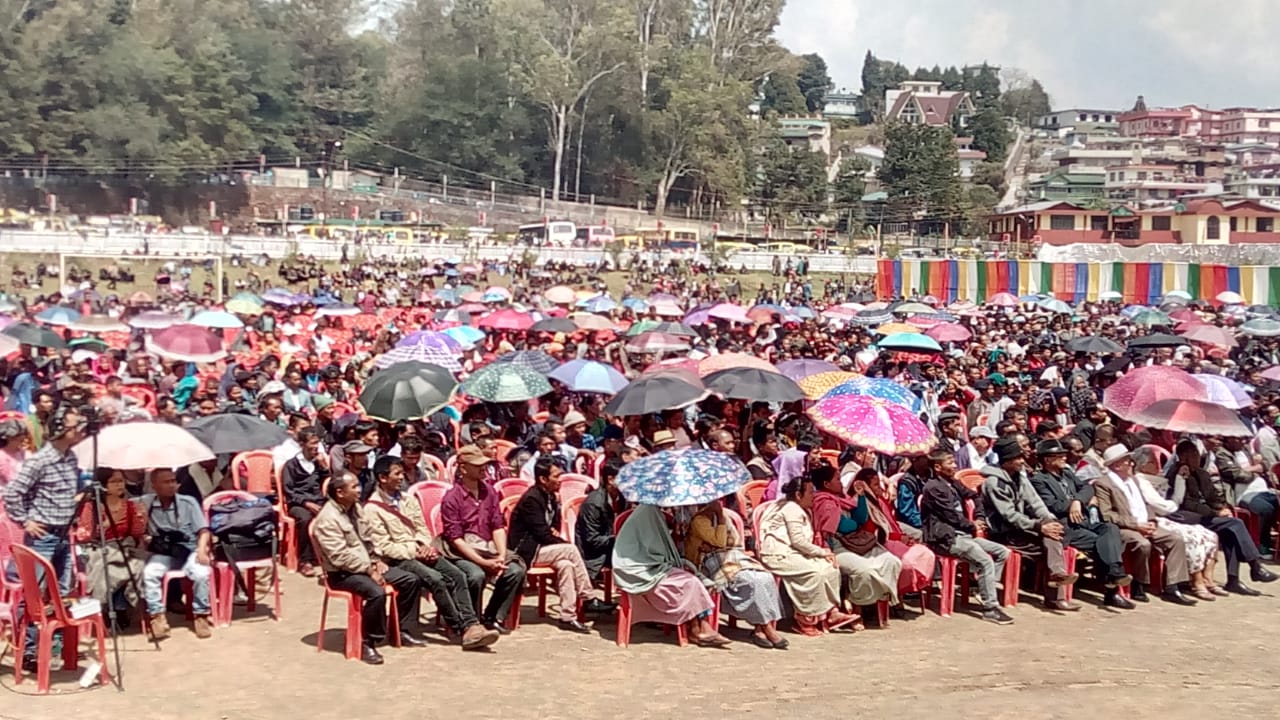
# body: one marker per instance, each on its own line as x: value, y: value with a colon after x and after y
x: 538, y: 577
x: 222, y: 590
x: 1161, y: 454
x: 143, y: 394
x: 430, y: 493
x: 50, y: 617
x: 256, y: 472
x: 569, y: 512
x: 511, y: 487
x: 504, y: 448
x: 597, y: 466
x: 573, y: 485
x: 10, y: 590
x: 443, y: 473
x: 749, y: 497
x: 355, y: 613
x: 626, y: 613
x: 1251, y: 521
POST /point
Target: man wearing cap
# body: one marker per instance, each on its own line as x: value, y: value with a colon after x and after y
x: 1019, y: 520
x: 476, y: 537
x: 575, y: 430
x: 1073, y: 502
x: 1120, y: 502
x: 985, y: 402
x: 356, y: 455
x: 949, y: 432
x: 664, y: 440
x: 977, y: 454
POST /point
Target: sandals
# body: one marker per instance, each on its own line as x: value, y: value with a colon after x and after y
x: 1217, y: 590
x: 711, y: 641
x: 837, y: 620
x: 1203, y: 594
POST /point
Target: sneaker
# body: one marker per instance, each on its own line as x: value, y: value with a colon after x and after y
x: 159, y: 627
x: 202, y: 627
x: 997, y: 616
x: 477, y: 636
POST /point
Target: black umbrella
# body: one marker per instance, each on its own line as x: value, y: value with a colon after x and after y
x: 236, y: 433
x: 654, y: 393
x: 36, y: 335
x: 555, y: 325
x: 1158, y: 340
x: 754, y: 384
x: 407, y: 391
x: 1094, y: 344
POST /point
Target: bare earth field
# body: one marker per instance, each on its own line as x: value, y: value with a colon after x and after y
x: 1213, y: 660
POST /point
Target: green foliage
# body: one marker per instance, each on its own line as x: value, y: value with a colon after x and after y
x: 791, y: 180
x: 814, y: 81
x: 782, y: 96
x: 1027, y: 103
x: 990, y: 134
x: 920, y: 173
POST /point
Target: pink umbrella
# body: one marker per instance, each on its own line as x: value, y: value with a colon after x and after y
x: 1272, y: 373
x: 686, y: 364
x: 730, y: 312
x: 1192, y: 416
x: 1147, y: 385
x: 187, y: 343
x: 1210, y: 335
x: 1224, y: 391
x: 924, y: 321
x: 656, y: 342
x: 506, y: 319
x: 472, y: 307
x: 949, y: 332
x: 1185, y: 315
x: 560, y: 295
x: 799, y: 369
x: 727, y: 361
x: 1003, y: 299
x: 475, y: 296
x: 873, y: 423
x: 469, y: 270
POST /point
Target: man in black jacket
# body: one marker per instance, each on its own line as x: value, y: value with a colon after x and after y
x: 302, y: 477
x: 593, y: 531
x: 949, y: 531
x: 535, y: 537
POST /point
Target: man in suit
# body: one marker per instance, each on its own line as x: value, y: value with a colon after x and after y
x: 535, y: 537
x: 1120, y: 502
x: 1073, y: 503
x: 594, y: 530
x: 1202, y: 499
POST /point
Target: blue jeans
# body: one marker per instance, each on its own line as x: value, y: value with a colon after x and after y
x: 153, y: 582
x: 55, y: 548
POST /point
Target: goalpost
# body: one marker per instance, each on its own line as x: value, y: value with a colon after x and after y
x: 119, y: 259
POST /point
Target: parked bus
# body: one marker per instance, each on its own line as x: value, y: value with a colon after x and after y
x: 593, y: 236
x: 681, y: 240
x: 557, y: 233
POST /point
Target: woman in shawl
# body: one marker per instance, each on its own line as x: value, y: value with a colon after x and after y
x: 749, y: 590
x: 647, y: 566
x: 846, y: 526
x: 808, y: 571
x: 918, y: 561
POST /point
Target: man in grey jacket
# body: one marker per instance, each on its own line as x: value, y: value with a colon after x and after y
x: 1020, y: 521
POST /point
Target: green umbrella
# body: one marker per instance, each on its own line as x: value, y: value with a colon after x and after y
x: 407, y: 391
x: 670, y: 328
x: 1151, y: 317
x: 506, y: 382
x: 910, y: 342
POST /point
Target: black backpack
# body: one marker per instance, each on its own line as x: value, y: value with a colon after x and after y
x: 246, y: 530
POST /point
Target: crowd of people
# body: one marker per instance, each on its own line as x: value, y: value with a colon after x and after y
x: 1029, y: 467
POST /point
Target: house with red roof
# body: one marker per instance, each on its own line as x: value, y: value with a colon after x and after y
x: 925, y: 102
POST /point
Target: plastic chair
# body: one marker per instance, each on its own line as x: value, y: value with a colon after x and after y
x: 442, y: 471
x: 537, y: 576
x: 10, y: 590
x: 430, y: 494
x: 971, y: 479
x: 143, y: 394
x: 256, y: 472
x: 511, y: 487
x: 451, y: 468
x: 355, y: 613
x: 504, y: 448
x: 598, y: 465
x: 573, y: 485
x: 750, y: 495
x: 222, y: 590
x: 628, y: 615
x: 38, y: 582
x: 757, y: 512
x: 435, y: 523
x: 832, y: 457
x: 1161, y: 454
x: 541, y: 416
x: 569, y: 512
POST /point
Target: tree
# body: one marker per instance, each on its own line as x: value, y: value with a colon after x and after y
x: 850, y: 183
x: 920, y: 174
x: 792, y: 181
x: 983, y: 83
x: 739, y: 35
x: 1023, y: 97
x: 814, y: 82
x: 990, y: 134
x: 952, y: 79
x: 991, y: 175
x: 980, y: 203
x: 781, y: 94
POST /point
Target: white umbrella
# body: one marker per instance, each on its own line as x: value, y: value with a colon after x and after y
x: 1227, y: 297
x: 142, y: 446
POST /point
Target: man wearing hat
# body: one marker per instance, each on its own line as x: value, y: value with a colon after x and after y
x: 1120, y: 502
x: 1073, y: 503
x: 356, y: 455
x: 977, y: 453
x: 949, y: 431
x: 664, y: 440
x: 1019, y: 520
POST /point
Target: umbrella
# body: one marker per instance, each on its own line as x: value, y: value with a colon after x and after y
x: 730, y: 312
x: 143, y: 446
x: 1179, y: 294
x: 58, y: 315
x: 1055, y: 305
x: 1003, y: 299
x: 431, y: 338
x: 894, y: 328
x: 536, y: 360
x: 878, y: 388
x: 506, y: 382
x: 554, y: 325
x: 245, y: 303
x: 873, y: 317
x: 1185, y: 314
x: 506, y: 319
x: 647, y: 394
x: 29, y: 334
x: 231, y: 433
x: 1146, y: 385
x: 1259, y: 311
x: 728, y: 361
x: 656, y: 342
x: 560, y: 295
x: 682, y: 477
x: 280, y: 296
x: 98, y: 324
x: 589, y: 376
x: 669, y: 328
x: 1261, y: 327
x: 1210, y: 335
x: 799, y: 369
x: 1094, y: 344
x: 423, y: 353
x: 1225, y: 391
x: 913, y: 342
x: 338, y: 309
x: 1157, y: 340
x: 683, y: 364
x: 446, y: 295
x: 154, y: 320
x: 496, y: 294
x: 1110, y: 295
x: 465, y: 335
x: 188, y: 343
x: 216, y: 319
x: 636, y: 304
x: 912, y: 308
x: 750, y: 383
x: 667, y: 310
x: 815, y: 386
x: 1228, y: 297
x: 873, y: 423
x: 475, y: 308
x: 587, y: 321
x: 8, y: 345
x: 139, y: 298
x: 1192, y: 416
x: 1151, y: 317
x: 598, y: 304
x: 949, y: 332
x: 407, y: 391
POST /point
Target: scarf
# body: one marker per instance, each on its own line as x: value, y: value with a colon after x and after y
x: 643, y: 552
x: 827, y: 509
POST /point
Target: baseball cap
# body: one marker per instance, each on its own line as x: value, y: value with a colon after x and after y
x: 355, y: 447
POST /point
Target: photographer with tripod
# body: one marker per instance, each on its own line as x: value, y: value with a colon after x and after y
x: 42, y: 499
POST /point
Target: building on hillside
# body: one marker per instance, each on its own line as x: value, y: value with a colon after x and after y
x: 925, y: 102
x: 969, y: 158
x: 813, y: 134
x: 1152, y: 184
x: 1201, y: 220
x: 843, y: 103
x: 1069, y: 184
x: 1228, y: 125
x: 1075, y: 117
x: 872, y: 156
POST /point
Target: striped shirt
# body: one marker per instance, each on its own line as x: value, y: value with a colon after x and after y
x: 45, y: 488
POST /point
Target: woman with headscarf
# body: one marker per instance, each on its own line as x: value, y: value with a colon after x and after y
x: 13, y: 448
x: 647, y: 565
x: 848, y: 527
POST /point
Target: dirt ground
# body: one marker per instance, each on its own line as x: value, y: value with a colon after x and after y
x: 1157, y: 661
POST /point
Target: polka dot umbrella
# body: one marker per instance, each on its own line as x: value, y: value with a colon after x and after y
x: 506, y: 382
x: 873, y: 423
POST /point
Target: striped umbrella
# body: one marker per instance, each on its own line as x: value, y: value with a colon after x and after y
x: 422, y: 353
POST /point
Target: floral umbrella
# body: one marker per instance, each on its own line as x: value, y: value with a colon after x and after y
x: 799, y: 369
x: 878, y: 388
x: 815, y: 386
x: 682, y: 477
x: 506, y: 382
x: 873, y: 423
x: 1144, y: 386
x: 1192, y: 416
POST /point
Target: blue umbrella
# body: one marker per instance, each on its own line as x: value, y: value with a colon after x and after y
x: 465, y: 334
x: 58, y: 315
x: 598, y: 304
x: 451, y: 273
x: 455, y: 260
x: 322, y: 299
x: 1031, y: 298
x: 878, y: 388
x: 682, y: 477
x: 635, y: 304
x: 803, y: 311
x: 446, y: 295
x: 910, y: 342
x: 589, y: 376
x: 1133, y: 310
x: 1055, y: 305
x: 216, y: 319
x: 280, y: 296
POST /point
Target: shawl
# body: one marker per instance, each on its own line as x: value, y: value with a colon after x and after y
x: 643, y: 552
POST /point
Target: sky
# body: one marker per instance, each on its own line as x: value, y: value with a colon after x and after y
x: 1099, y: 54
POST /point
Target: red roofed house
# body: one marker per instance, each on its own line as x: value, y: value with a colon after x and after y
x: 925, y: 102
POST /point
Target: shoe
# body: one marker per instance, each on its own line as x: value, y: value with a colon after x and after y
x: 574, y: 626
x: 307, y: 570
x: 1137, y: 593
x: 598, y: 607
x: 1176, y: 597
x: 1262, y: 575
x: 1239, y: 588
x: 781, y: 644
x: 370, y: 656
x: 29, y: 664
x: 761, y: 641
x: 997, y: 616
x: 1217, y: 590
x: 202, y: 627
x: 1203, y: 594
x: 477, y: 636
x: 159, y: 627
x: 715, y: 640
x: 1119, y: 581
x: 1118, y: 601
x: 1062, y: 605
x: 1056, y: 581
x: 498, y: 626
x: 407, y: 640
